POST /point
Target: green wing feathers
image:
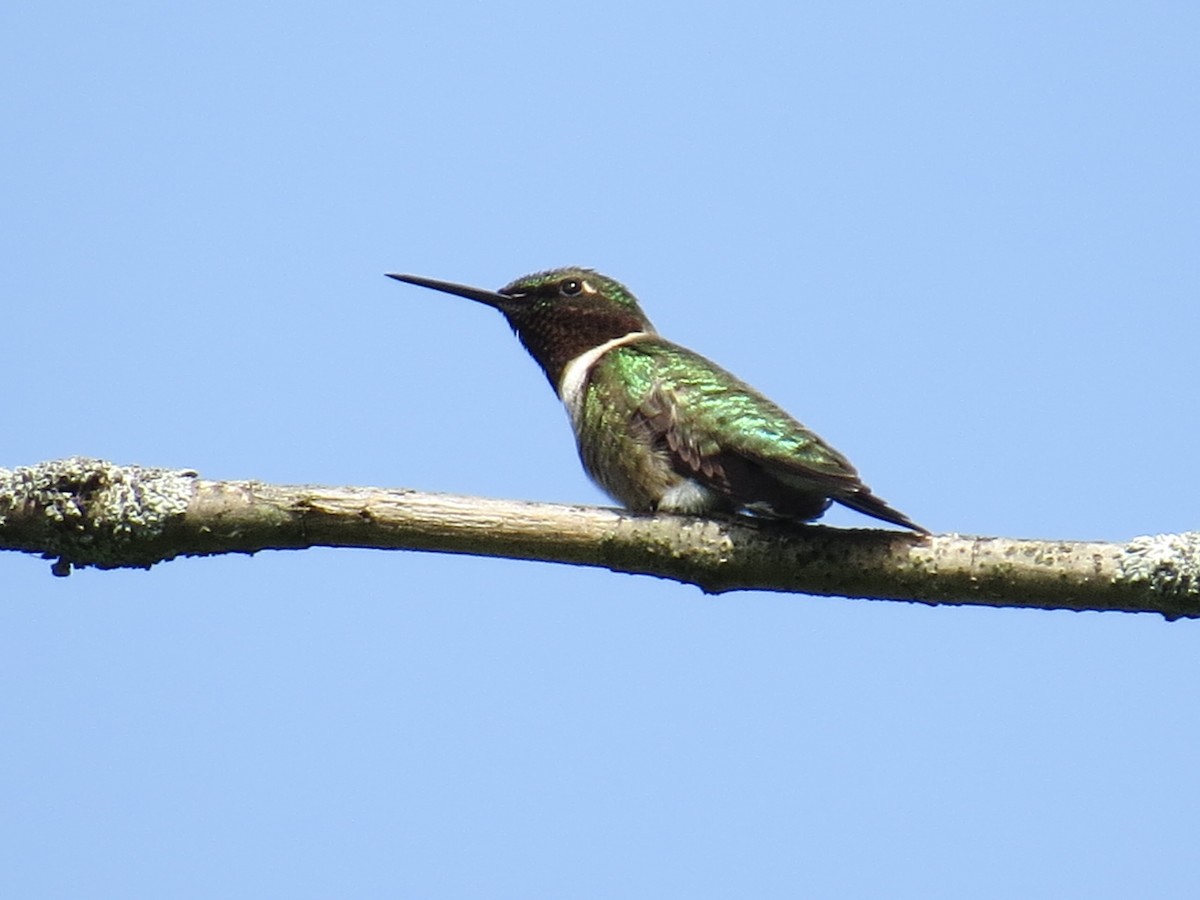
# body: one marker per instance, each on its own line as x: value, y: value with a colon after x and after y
x: 724, y: 434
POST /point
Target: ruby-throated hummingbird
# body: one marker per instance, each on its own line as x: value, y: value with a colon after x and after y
x: 658, y: 426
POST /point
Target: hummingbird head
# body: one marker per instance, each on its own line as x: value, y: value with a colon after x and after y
x: 557, y: 314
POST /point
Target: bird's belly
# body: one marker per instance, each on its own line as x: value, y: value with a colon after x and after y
x: 629, y: 471
x: 641, y: 477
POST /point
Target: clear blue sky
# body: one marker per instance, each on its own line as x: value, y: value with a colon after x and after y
x: 958, y: 240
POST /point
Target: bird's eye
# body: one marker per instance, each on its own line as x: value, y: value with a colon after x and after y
x: 570, y: 287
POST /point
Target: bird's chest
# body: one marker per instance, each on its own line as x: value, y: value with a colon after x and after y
x: 616, y: 445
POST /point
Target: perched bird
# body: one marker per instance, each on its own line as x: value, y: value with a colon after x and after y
x: 658, y: 426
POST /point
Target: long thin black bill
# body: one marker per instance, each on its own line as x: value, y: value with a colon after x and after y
x: 491, y: 298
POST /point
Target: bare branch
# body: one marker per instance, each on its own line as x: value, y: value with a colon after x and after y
x: 85, y: 512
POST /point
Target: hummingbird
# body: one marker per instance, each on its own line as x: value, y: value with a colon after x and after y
x: 659, y: 427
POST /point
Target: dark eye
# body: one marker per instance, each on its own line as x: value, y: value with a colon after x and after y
x: 570, y: 287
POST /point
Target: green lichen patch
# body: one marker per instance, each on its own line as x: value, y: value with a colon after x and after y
x: 1168, y: 563
x: 94, y: 512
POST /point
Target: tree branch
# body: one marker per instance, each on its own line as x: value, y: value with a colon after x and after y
x: 86, y: 512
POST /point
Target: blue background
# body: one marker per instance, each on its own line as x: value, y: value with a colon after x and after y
x: 959, y: 240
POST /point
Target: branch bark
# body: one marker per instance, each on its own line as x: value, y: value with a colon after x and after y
x: 85, y: 512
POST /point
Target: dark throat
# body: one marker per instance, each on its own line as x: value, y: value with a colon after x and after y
x: 556, y: 336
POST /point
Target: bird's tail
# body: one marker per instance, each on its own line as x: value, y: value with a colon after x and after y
x: 865, y: 502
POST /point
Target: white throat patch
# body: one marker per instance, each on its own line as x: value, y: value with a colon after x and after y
x: 574, y: 376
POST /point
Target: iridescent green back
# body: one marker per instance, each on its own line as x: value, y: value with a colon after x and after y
x: 719, y: 413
